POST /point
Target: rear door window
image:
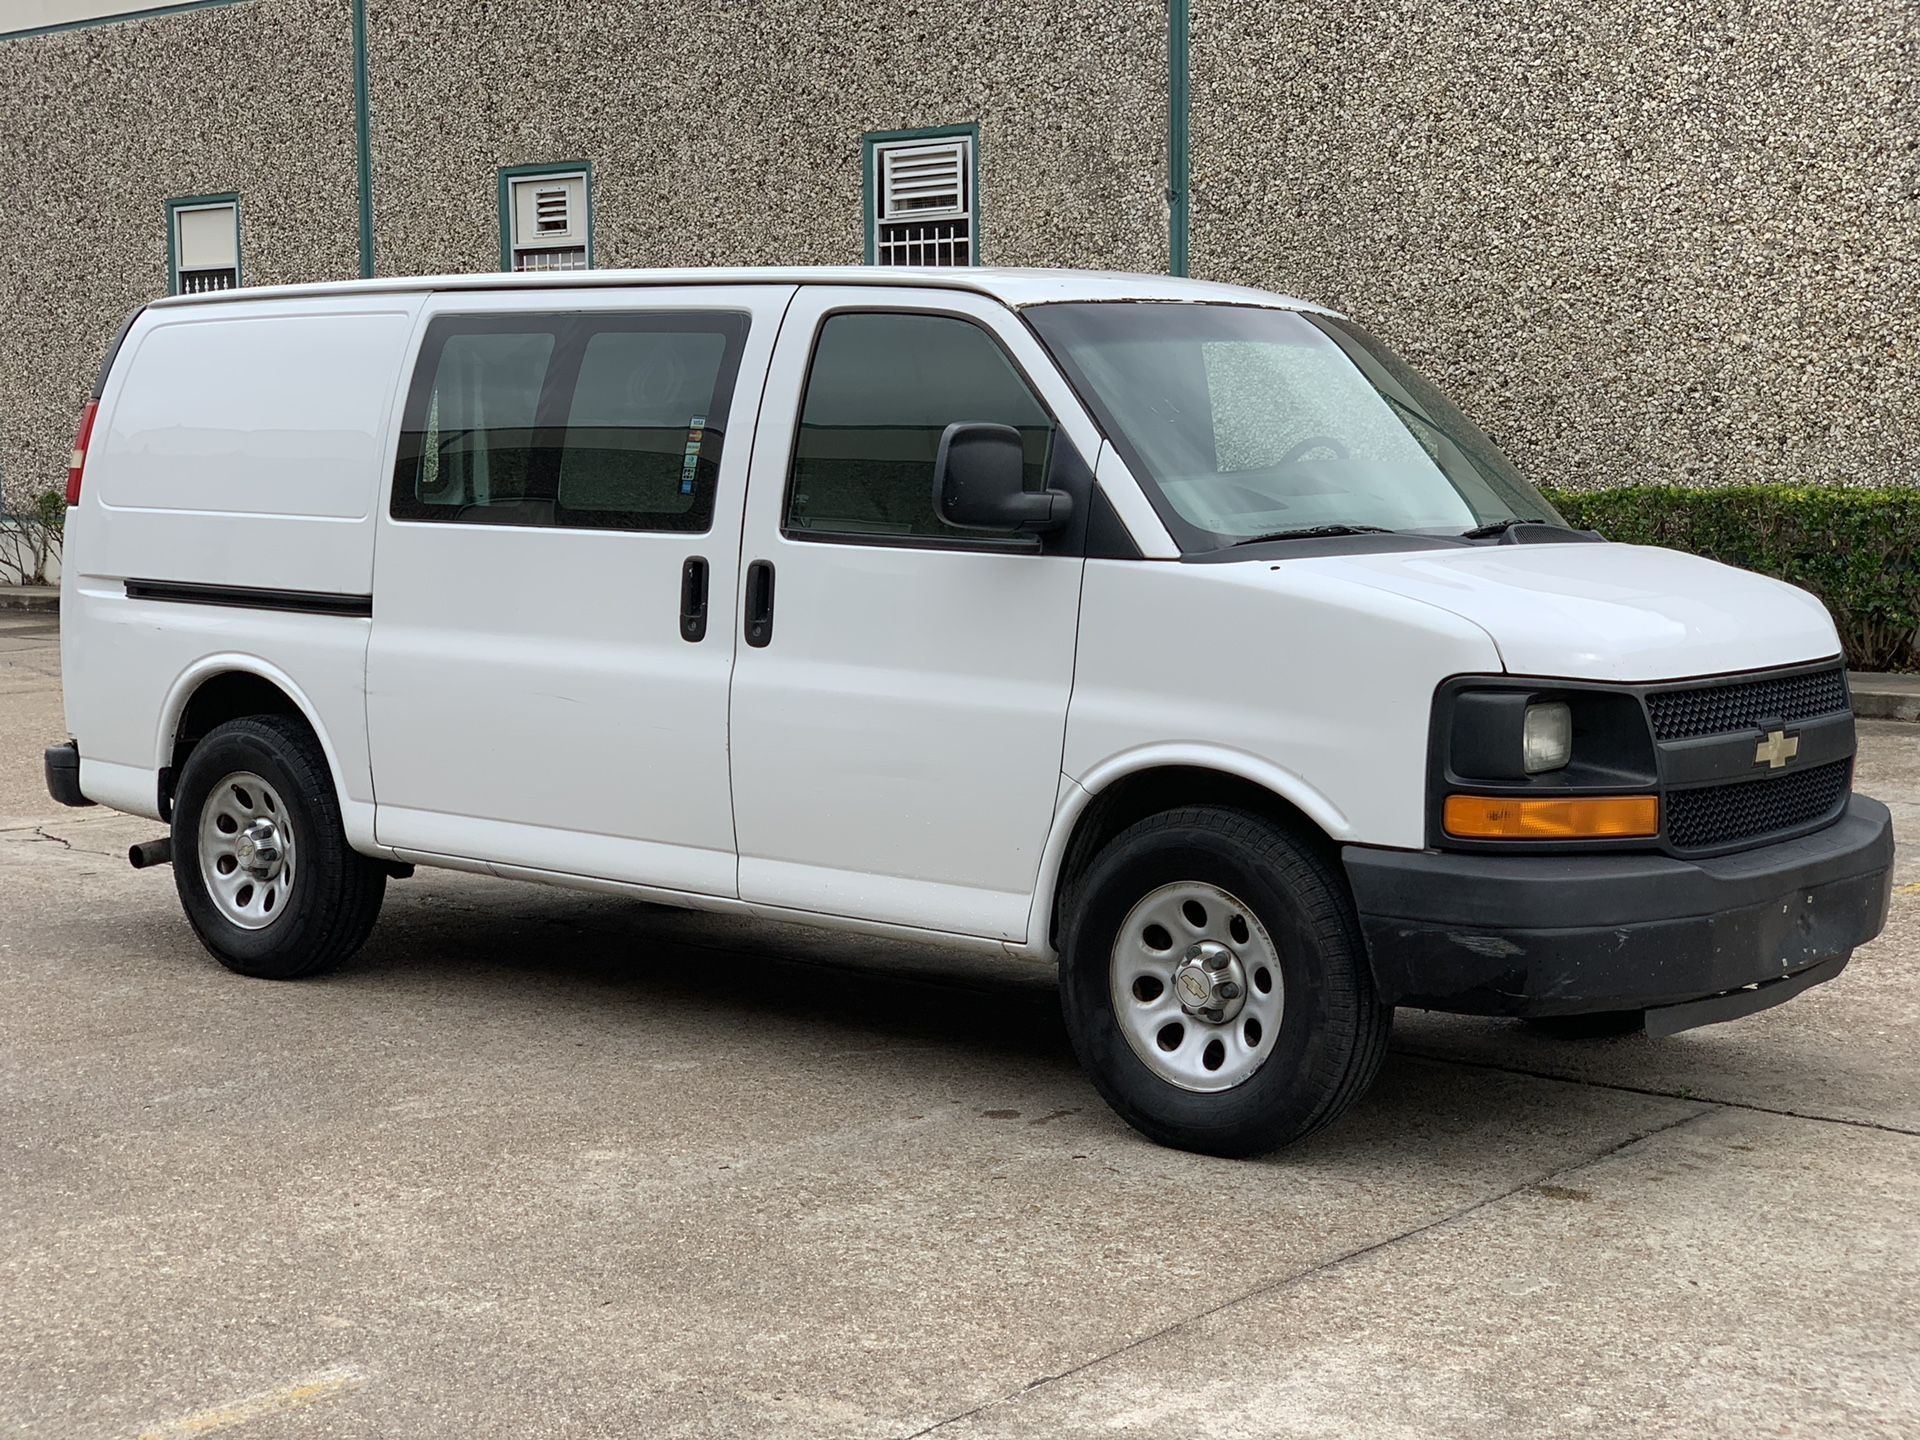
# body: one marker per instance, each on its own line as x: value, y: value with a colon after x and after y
x: 579, y: 421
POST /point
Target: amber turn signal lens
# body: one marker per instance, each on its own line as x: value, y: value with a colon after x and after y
x: 1585, y: 817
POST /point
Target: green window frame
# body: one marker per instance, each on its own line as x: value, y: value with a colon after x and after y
x: 874, y: 142
x: 204, y: 202
x: 509, y: 175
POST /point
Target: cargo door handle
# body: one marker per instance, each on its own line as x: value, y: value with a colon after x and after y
x: 693, y: 599
x: 759, y: 602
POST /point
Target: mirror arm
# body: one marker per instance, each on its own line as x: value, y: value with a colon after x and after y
x: 1050, y: 510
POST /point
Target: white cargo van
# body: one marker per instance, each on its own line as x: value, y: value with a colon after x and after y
x: 1174, y: 631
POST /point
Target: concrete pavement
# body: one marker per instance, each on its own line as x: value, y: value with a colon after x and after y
x: 542, y: 1163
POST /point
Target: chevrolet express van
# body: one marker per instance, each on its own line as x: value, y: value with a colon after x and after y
x: 1174, y: 632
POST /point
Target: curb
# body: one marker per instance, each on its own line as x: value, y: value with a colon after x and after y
x: 30, y: 597
x: 1885, y: 697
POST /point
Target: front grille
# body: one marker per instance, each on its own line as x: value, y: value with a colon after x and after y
x: 1709, y: 816
x: 1743, y: 704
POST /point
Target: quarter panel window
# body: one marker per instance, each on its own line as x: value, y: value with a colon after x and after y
x: 881, y: 390
x: 579, y: 421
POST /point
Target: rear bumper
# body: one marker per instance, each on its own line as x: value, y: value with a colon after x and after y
x: 63, y: 774
x: 1571, y: 934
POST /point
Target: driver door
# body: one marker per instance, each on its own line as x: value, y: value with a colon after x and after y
x: 898, y: 718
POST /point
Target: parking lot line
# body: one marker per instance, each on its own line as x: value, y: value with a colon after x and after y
x: 322, y: 1385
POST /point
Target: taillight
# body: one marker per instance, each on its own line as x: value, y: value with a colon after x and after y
x: 78, y: 462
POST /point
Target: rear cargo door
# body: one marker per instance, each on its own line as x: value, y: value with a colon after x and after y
x: 555, y: 582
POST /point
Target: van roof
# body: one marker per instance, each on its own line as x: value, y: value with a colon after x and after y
x: 1013, y: 287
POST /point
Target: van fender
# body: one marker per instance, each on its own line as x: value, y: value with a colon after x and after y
x: 356, y: 815
x: 1077, y: 794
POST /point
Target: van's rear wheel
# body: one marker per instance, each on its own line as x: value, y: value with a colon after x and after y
x: 263, y: 867
x: 1215, y: 985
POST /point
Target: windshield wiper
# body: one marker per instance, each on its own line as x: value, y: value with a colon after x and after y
x: 1500, y: 527
x: 1313, y: 531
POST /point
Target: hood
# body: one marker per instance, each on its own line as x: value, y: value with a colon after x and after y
x: 1604, y: 612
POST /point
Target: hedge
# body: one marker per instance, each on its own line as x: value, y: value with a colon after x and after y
x: 1858, y: 550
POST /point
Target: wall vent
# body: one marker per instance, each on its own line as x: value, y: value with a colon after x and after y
x: 546, y: 220
x: 206, y: 245
x: 925, y: 204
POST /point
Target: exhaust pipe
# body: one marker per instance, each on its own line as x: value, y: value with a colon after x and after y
x: 151, y: 852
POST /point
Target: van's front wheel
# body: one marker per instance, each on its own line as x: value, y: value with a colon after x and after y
x: 1215, y: 986
x: 260, y: 859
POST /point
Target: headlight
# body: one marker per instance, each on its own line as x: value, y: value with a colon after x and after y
x: 1547, y: 737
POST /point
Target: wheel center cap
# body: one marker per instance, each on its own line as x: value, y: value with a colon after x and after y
x: 258, y: 849
x: 1210, y: 982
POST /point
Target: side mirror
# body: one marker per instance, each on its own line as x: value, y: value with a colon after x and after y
x: 979, y: 483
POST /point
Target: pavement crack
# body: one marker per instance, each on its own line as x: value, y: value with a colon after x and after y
x: 1333, y: 1262
x: 40, y: 833
x: 1658, y: 1094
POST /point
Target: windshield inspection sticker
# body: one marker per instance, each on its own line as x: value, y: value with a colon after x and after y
x: 696, y: 432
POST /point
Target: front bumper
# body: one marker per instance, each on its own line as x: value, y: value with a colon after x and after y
x: 1543, y: 935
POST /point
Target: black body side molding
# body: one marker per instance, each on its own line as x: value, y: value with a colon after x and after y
x: 249, y: 597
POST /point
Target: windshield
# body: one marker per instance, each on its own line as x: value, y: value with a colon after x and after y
x: 1244, y: 422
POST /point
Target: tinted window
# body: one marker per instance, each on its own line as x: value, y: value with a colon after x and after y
x: 638, y: 422
x: 581, y: 421
x: 477, y: 446
x: 881, y: 390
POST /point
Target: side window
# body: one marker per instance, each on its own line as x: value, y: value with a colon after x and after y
x: 881, y: 389
x: 576, y: 421
x: 478, y: 433
x: 637, y: 445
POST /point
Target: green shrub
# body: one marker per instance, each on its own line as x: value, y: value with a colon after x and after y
x: 1858, y: 550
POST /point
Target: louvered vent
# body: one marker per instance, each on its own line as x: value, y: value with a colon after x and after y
x: 925, y: 210
x: 923, y: 180
x: 550, y: 211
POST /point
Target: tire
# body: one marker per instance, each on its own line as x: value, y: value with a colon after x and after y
x: 318, y: 906
x: 1599, y: 1025
x: 1271, y: 1089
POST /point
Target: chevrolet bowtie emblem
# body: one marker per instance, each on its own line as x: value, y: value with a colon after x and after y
x: 1778, y: 748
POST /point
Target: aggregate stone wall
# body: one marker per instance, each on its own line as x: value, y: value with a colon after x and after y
x: 1642, y: 240
x: 1649, y: 240
x: 724, y: 132
x: 102, y: 127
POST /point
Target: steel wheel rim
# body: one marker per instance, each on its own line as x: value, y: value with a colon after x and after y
x: 246, y: 850
x: 1178, y: 1042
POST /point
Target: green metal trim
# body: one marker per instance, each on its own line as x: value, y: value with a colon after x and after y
x: 151, y: 12
x: 870, y: 181
x: 1179, y: 135
x: 508, y: 173
x: 363, y: 137
x: 189, y: 202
